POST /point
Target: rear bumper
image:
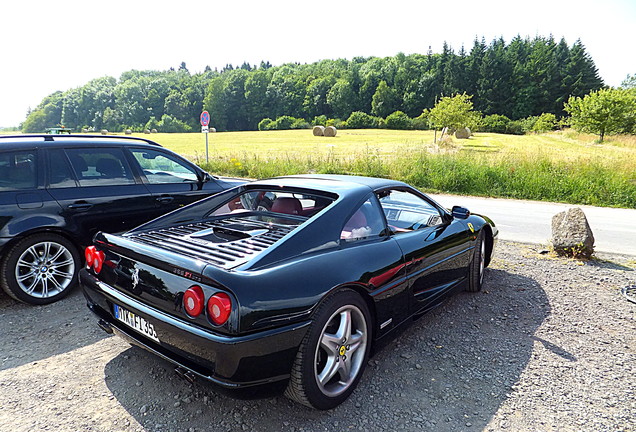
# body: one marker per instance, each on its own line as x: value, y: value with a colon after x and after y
x: 230, y: 362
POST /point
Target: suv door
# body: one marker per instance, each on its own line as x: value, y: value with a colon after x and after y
x: 174, y: 182
x: 98, y: 191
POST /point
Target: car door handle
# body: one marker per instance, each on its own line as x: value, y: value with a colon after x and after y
x: 80, y: 206
x: 165, y: 199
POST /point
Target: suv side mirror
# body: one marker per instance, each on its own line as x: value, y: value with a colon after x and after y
x: 205, y: 177
x: 460, y: 212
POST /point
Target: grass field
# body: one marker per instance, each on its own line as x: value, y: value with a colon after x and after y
x: 559, y: 166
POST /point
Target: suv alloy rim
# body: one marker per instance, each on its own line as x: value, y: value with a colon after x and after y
x: 45, y: 269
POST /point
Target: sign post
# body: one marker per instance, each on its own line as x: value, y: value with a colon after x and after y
x: 205, y: 122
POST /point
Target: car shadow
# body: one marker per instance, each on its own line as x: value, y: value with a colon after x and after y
x: 451, y: 370
x: 32, y: 333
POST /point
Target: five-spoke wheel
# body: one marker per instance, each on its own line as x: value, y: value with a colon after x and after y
x: 333, y: 355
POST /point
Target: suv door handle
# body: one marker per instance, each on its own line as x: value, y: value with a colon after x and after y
x: 165, y: 199
x: 80, y: 206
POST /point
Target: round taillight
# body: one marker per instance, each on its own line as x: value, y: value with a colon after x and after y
x: 219, y: 308
x: 89, y: 254
x: 98, y: 261
x: 194, y: 301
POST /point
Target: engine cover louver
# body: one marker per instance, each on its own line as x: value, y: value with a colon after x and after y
x: 187, y: 240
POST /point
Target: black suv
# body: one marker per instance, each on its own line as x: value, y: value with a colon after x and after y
x: 56, y: 192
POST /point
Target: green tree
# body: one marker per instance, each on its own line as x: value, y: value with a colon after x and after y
x: 454, y: 112
x: 342, y: 98
x: 385, y: 100
x: 602, y: 112
x: 47, y: 114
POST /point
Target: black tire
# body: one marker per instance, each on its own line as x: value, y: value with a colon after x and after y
x: 40, y: 269
x: 332, y: 352
x: 477, y: 265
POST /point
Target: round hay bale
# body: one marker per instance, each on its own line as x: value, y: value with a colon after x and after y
x: 462, y: 133
x: 212, y: 130
x: 128, y: 132
x: 146, y: 131
x: 104, y: 132
x: 330, y: 131
x: 319, y: 130
x: 153, y: 131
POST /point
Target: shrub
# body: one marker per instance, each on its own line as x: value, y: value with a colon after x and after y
x: 337, y: 123
x: 265, y: 124
x: 398, y: 120
x: 362, y: 120
x: 283, y: 123
x: 421, y: 122
x: 300, y: 123
x: 320, y: 120
x: 495, y: 123
x: 544, y: 123
x: 172, y: 125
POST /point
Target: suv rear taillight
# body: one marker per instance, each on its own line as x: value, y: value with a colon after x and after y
x: 219, y: 308
x: 194, y: 301
x: 94, y: 258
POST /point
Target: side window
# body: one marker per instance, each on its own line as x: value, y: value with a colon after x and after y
x: 18, y: 170
x: 160, y: 167
x: 406, y: 211
x: 366, y: 222
x: 100, y: 166
x: 60, y: 173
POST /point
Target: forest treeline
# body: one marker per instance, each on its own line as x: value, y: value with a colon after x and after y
x: 526, y: 77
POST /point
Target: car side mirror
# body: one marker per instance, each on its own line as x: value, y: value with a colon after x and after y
x: 206, y: 177
x: 460, y: 212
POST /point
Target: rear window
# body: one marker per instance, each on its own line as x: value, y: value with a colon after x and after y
x: 18, y: 170
x: 274, y: 205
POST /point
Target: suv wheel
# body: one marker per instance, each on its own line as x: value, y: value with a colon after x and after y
x: 40, y: 269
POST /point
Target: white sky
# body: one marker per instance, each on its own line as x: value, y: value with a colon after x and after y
x: 57, y: 45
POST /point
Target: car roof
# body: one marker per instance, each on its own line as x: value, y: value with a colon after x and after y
x: 335, y: 183
x: 11, y: 142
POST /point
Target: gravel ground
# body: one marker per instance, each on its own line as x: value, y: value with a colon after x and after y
x: 549, y: 345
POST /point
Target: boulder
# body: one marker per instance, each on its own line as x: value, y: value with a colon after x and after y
x: 463, y: 133
x: 571, y: 234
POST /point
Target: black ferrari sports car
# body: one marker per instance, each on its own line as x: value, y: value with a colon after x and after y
x: 287, y: 282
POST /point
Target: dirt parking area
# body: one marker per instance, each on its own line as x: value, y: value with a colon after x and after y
x: 549, y: 345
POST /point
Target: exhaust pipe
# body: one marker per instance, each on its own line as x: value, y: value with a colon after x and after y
x: 185, y: 374
x: 105, y: 326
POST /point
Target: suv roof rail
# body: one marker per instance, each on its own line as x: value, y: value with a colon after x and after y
x: 49, y: 137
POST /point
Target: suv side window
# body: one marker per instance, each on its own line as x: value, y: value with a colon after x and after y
x: 160, y: 168
x: 18, y: 170
x: 60, y: 173
x: 100, y: 166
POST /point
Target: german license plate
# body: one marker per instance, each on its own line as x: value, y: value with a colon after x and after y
x: 135, y: 322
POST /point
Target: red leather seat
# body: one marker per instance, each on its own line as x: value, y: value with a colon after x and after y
x: 287, y: 205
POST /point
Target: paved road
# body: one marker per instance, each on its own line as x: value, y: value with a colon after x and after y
x: 530, y: 221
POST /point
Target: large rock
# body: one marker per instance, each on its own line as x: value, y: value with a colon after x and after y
x: 571, y: 234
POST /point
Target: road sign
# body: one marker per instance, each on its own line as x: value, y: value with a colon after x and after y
x: 205, y: 118
x: 205, y: 129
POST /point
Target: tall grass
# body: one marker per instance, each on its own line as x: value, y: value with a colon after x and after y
x: 536, y: 177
